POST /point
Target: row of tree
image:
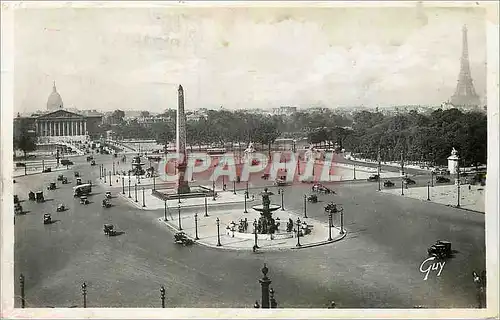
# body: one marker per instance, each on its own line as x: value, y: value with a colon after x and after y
x: 416, y: 136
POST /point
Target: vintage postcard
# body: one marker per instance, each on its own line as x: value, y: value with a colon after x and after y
x: 210, y: 159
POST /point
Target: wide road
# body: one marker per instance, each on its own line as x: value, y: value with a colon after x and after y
x: 376, y: 266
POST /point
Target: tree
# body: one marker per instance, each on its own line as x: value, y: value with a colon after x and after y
x: 117, y: 116
x: 26, y: 138
x: 144, y: 114
x: 267, y: 132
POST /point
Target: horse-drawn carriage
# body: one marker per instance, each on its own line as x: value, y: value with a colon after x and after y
x: 182, y: 238
x: 441, y: 249
x: 109, y: 230
x: 312, y: 198
x: 47, y: 218
x: 331, y: 208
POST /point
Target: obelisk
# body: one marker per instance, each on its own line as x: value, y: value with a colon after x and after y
x: 182, y: 184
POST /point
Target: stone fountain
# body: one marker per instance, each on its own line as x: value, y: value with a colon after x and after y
x: 137, y: 169
x: 266, y: 222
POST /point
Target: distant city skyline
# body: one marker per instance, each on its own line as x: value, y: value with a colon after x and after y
x: 241, y: 58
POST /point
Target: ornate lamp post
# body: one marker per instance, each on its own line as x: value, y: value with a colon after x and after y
x: 123, y: 185
x: 162, y: 296
x: 264, y: 283
x: 104, y: 169
x: 206, y: 207
x: 234, y: 186
x: 129, y: 187
x: 330, y: 223
x: 213, y: 190
x: 282, y: 192
x: 110, y: 179
x: 135, y: 190
x: 402, y: 183
x: 179, y: 215
x: 165, y: 211
x: 255, y: 233
x: 428, y: 191
x: 218, y: 233
x: 246, y: 194
x: 143, y: 198
x: 21, y: 283
x: 354, y: 171
x: 305, y: 206
x: 341, y: 220
x: 196, y: 226
x: 84, y: 294
x: 298, y: 233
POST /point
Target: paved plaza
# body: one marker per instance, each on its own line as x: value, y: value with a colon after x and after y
x: 380, y: 250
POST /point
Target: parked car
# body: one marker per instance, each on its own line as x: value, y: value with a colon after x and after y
x: 61, y: 208
x: 408, y: 181
x: 48, y: 169
x: 388, y: 183
x: 109, y: 229
x: 441, y: 179
x: 373, y: 178
x: 66, y: 162
x: 51, y: 186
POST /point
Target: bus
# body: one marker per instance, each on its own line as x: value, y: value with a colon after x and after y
x: 82, y: 190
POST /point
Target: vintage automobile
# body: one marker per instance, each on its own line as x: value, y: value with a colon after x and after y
x: 31, y: 196
x: 18, y: 209
x: 265, y: 176
x: 48, y: 169
x: 16, y: 199
x: 181, y: 238
x: 109, y: 229
x: 312, y: 198
x: 51, y: 186
x: 66, y: 162
x: 373, y: 178
x: 408, y: 181
x: 441, y: 179
x: 84, y: 200
x: 441, y: 249
x: 280, y: 182
x: 331, y: 208
x: 39, y: 196
x: 106, y: 203
x: 90, y: 158
x: 388, y: 183
x: 78, y: 181
x: 47, y: 218
x: 82, y: 190
x: 77, y: 174
x: 65, y: 180
x: 60, y: 208
x: 92, y: 163
x: 60, y: 177
x: 108, y: 194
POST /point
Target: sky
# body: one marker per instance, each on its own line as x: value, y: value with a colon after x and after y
x: 135, y: 58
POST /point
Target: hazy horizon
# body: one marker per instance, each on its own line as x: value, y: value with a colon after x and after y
x: 243, y: 58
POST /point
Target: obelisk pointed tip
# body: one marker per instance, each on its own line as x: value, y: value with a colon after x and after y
x: 180, y: 87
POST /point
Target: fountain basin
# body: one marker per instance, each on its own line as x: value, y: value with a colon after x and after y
x: 260, y: 207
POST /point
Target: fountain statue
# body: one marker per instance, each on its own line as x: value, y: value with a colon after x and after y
x: 137, y: 169
x: 266, y: 223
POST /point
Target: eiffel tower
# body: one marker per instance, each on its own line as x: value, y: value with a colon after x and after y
x: 465, y: 94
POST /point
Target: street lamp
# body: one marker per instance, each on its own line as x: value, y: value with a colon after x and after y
x: 305, y: 206
x: 330, y: 223
x: 213, y: 190
x: 21, y: 283
x: 165, y: 211
x: 123, y: 185
x: 162, y: 296
x: 298, y: 233
x: 179, y: 214
x: 206, y: 206
x: 143, y: 198
x: 354, y: 171
x: 84, y: 294
x: 247, y: 196
x: 402, y: 191
x: 341, y: 220
x: 458, y: 185
x: 196, y: 226
x: 113, y: 168
x: 110, y: 179
x: 218, y: 233
x: 234, y: 186
x: 104, y: 169
x: 255, y: 233
x: 246, y: 193
x: 282, y: 192
x: 428, y: 191
x: 135, y: 190
x: 264, y: 283
x: 154, y: 181
x: 129, y: 187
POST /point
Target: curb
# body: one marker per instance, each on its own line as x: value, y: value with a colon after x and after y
x: 441, y: 204
x: 267, y: 249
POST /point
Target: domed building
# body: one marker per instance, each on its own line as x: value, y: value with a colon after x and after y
x: 54, y: 102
